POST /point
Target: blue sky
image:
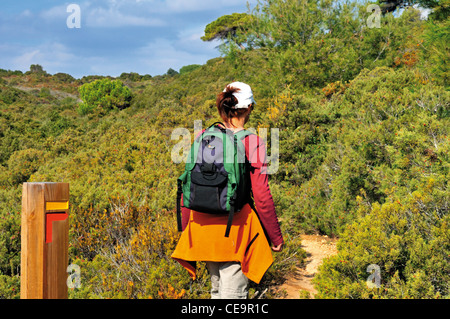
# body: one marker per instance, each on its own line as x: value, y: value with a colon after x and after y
x: 143, y: 36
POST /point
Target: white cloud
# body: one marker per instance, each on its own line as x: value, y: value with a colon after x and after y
x: 118, y: 13
x: 424, y: 12
x: 105, y: 14
x: 57, y: 12
x: 55, y: 58
x: 112, y: 17
x: 201, y: 5
x: 26, y: 13
x: 52, y: 56
x: 177, y: 6
x: 26, y: 59
x: 191, y: 40
x: 161, y: 54
x: 104, y: 45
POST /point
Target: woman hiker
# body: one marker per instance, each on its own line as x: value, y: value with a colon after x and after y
x: 246, y: 254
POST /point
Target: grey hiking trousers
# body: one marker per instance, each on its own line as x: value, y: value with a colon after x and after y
x: 227, y: 280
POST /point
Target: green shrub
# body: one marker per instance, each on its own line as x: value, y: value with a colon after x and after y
x: 407, y: 237
x: 189, y: 68
x: 10, y: 95
x: 105, y: 94
x: 22, y: 164
x: 9, y: 287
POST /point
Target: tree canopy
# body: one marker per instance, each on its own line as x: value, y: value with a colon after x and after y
x: 228, y: 28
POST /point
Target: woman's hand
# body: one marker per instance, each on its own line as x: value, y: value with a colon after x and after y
x: 278, y: 248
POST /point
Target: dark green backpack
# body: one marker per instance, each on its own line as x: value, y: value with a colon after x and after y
x: 216, y: 179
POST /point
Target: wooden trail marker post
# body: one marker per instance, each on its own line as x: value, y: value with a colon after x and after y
x: 44, y: 240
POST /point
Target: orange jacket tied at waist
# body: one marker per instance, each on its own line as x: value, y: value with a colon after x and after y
x: 203, y: 240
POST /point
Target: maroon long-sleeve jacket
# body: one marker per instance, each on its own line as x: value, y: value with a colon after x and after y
x: 255, y: 151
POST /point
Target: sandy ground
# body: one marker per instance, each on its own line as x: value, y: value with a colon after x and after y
x: 317, y: 248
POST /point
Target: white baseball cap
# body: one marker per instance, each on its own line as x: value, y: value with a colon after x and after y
x: 244, y: 95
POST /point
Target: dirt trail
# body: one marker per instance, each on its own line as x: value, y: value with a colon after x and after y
x: 317, y: 248
x: 55, y: 93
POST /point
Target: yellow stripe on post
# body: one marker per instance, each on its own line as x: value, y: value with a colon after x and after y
x: 44, y: 255
x: 56, y: 205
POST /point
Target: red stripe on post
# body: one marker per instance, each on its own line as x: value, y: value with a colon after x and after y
x: 50, y: 218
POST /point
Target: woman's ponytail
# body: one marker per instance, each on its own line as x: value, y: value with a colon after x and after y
x: 226, y: 103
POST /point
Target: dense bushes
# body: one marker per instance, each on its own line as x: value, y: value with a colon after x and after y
x: 363, y: 116
x: 125, y: 253
x: 407, y: 237
x: 401, y: 220
x: 384, y: 128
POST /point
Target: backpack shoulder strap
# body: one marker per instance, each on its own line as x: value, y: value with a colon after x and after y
x: 179, y: 194
x: 243, y: 134
x: 217, y: 125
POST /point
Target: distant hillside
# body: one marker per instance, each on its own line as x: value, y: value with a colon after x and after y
x: 363, y: 115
